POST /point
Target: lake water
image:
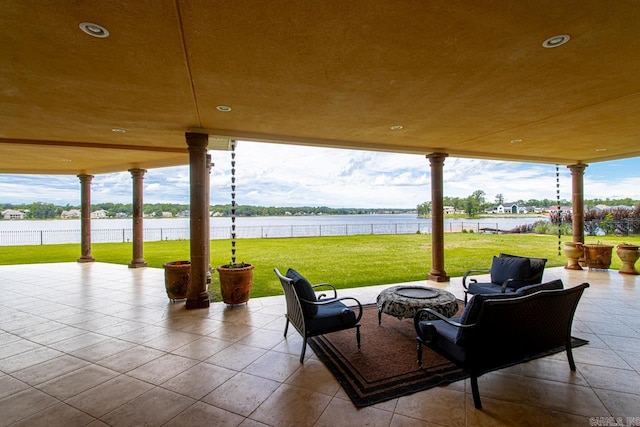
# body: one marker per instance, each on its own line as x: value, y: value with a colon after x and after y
x: 22, y: 232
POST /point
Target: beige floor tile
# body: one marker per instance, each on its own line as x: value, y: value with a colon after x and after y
x: 275, y: 366
x: 142, y: 335
x: 620, y: 404
x: 10, y: 385
x: 103, y: 349
x: 202, y: 415
x: 154, y: 407
x: 262, y: 339
x: 199, y: 380
x: 236, y: 357
x: 75, y: 382
x: 402, y: 421
x: 344, y: 413
x: 290, y: 405
x: 623, y: 380
x: 171, y: 340
x: 131, y: 358
x: 16, y: 347
x: 59, y: 414
x: 500, y: 413
x: 45, y: 371
x: 29, y: 358
x: 78, y: 342
x: 313, y: 375
x: 437, y: 405
x: 232, y: 332
x: 241, y: 394
x: 161, y: 369
x: 23, y: 404
x: 569, y: 398
x: 109, y: 395
x: 202, y: 348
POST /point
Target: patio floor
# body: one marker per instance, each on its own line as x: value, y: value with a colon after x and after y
x: 100, y: 344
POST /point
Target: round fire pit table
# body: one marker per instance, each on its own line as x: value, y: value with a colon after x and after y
x: 405, y: 301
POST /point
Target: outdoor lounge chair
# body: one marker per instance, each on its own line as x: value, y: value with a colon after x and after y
x: 313, y: 315
x: 508, y: 273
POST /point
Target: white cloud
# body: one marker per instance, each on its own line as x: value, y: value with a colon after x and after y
x: 286, y: 175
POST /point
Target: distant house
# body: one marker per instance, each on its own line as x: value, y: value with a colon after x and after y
x: 13, y: 214
x: 508, y: 208
x: 99, y: 214
x: 167, y: 215
x: 121, y: 215
x: 448, y: 210
x: 71, y: 213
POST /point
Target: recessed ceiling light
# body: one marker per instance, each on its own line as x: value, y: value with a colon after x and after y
x: 601, y: 149
x: 556, y: 41
x: 223, y: 108
x: 94, y: 30
x: 516, y: 141
x: 118, y: 130
x: 396, y: 127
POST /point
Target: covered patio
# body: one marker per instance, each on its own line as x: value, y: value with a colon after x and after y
x: 101, y: 87
x: 100, y: 344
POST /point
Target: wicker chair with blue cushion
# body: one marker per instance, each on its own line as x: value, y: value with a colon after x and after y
x: 508, y: 274
x: 313, y: 315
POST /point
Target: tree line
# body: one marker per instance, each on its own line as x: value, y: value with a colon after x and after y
x: 40, y: 210
x: 477, y: 203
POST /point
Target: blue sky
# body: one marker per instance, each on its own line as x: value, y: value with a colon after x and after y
x: 286, y: 175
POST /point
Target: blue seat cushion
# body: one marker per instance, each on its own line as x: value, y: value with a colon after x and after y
x: 331, y: 317
x: 515, y: 268
x: 304, y: 290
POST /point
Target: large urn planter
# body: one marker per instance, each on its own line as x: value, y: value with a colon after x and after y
x: 236, y: 281
x: 177, y: 275
x: 597, y: 256
x: 573, y: 251
x: 628, y: 254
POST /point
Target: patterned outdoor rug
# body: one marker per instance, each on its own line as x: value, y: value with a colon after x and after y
x: 386, y: 366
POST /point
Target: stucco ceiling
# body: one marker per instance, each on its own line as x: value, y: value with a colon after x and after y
x: 467, y: 78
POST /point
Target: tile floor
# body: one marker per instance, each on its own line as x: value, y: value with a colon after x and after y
x: 99, y: 344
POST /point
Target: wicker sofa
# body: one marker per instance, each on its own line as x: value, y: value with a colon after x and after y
x: 501, y: 330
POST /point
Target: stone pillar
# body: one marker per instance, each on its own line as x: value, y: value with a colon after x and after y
x: 197, y: 295
x: 437, y: 272
x: 208, y: 198
x: 85, y: 218
x: 138, y: 231
x: 577, y: 201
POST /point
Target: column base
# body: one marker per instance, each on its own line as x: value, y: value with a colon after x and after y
x: 86, y: 258
x: 438, y: 277
x: 137, y: 264
x: 201, y: 302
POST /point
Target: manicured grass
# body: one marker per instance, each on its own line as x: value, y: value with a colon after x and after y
x: 344, y: 261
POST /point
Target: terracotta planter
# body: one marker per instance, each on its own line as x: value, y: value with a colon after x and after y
x: 598, y: 257
x: 573, y: 251
x: 177, y: 276
x: 628, y: 254
x: 235, y: 283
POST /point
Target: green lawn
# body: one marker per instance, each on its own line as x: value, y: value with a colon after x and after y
x: 344, y: 261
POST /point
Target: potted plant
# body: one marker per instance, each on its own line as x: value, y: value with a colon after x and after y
x: 573, y: 251
x: 236, y: 279
x: 597, y: 256
x: 177, y: 275
x: 628, y: 254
